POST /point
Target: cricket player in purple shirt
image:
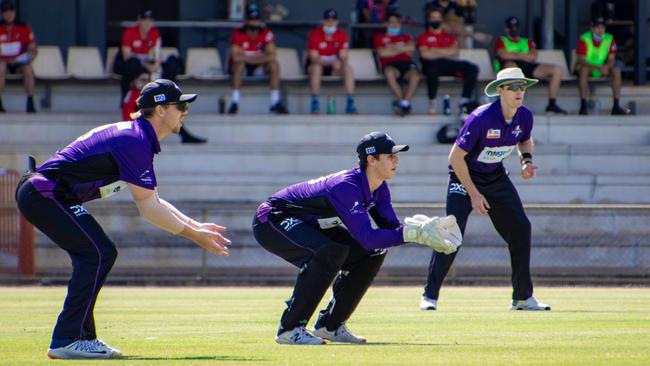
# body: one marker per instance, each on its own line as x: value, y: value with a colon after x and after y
x: 302, y: 225
x: 478, y: 181
x: 98, y: 164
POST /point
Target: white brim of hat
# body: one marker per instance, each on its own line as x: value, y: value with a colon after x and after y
x: 187, y: 98
x: 400, y: 148
x: 491, y: 88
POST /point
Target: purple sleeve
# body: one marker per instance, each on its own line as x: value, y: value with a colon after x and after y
x: 528, y: 129
x: 383, y: 212
x: 347, y: 198
x: 470, y: 134
x: 135, y: 162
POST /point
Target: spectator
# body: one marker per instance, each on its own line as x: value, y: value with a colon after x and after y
x: 596, y: 53
x: 328, y: 55
x: 252, y: 46
x: 140, y: 52
x: 456, y: 14
x: 373, y: 12
x: 512, y: 50
x: 395, y: 51
x: 17, y: 51
x: 438, y: 53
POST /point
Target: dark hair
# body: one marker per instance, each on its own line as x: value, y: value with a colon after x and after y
x: 433, y: 9
x: 393, y: 14
x: 143, y: 112
x: 363, y: 161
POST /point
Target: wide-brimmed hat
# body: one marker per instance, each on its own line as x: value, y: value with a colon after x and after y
x: 506, y: 75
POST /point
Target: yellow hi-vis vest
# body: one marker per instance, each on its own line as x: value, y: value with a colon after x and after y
x: 597, y: 55
x: 519, y: 46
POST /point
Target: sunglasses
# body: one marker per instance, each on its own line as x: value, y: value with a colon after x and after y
x: 515, y: 86
x: 182, y: 106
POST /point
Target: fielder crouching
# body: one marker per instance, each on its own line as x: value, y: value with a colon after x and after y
x: 302, y: 225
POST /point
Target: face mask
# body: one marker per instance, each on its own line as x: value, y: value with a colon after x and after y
x: 329, y: 30
x: 435, y: 25
x: 393, y: 31
x: 596, y: 37
x: 253, y: 28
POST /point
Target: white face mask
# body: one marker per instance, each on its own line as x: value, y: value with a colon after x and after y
x: 329, y: 30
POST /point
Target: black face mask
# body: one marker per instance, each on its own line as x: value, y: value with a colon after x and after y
x: 513, y: 32
x: 252, y: 28
x: 434, y: 25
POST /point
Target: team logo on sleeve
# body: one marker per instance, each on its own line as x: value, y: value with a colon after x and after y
x: 145, y: 177
x: 494, y: 134
x: 517, y: 131
x: 358, y: 208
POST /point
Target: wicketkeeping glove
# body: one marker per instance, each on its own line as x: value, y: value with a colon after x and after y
x: 440, y: 234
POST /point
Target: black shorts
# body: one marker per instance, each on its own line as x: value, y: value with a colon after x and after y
x: 250, y: 69
x: 402, y: 66
x: 327, y: 69
x: 528, y: 68
x: 13, y: 67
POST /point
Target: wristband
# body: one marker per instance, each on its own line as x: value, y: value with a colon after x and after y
x: 526, y: 158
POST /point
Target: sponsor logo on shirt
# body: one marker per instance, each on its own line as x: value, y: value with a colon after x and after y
x: 457, y: 188
x: 462, y: 139
x: 491, y: 155
x: 517, y: 131
x: 493, y: 134
x: 146, y: 177
x: 289, y: 223
x: 358, y: 208
x: 111, y: 189
x: 79, y: 210
x: 159, y: 98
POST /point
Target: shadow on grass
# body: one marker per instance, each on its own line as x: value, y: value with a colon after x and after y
x: 401, y: 344
x: 193, y: 358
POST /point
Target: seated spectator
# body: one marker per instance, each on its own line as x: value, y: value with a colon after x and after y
x: 457, y: 14
x: 438, y: 53
x: 328, y: 55
x: 512, y: 50
x: 596, y: 53
x: 372, y: 12
x: 130, y: 106
x: 395, y: 50
x: 253, y: 47
x: 140, y: 52
x: 17, y: 51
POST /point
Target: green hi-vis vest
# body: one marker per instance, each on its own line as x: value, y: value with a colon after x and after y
x: 597, y: 55
x: 519, y: 46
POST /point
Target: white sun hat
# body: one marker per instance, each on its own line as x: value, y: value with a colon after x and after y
x: 506, y: 75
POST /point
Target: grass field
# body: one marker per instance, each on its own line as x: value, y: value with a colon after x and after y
x: 227, y: 326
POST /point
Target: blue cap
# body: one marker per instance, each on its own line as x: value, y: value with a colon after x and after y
x: 161, y: 92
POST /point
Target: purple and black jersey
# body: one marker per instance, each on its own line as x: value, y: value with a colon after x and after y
x: 98, y: 163
x: 344, y: 195
x: 488, y: 139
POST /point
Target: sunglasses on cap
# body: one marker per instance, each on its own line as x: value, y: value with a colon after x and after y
x: 182, y: 106
x: 515, y: 86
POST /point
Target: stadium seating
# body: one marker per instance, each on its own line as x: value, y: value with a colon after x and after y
x: 48, y: 64
x: 555, y: 57
x: 363, y: 63
x: 290, y: 67
x: 111, y: 52
x: 203, y: 64
x: 481, y: 58
x: 84, y: 63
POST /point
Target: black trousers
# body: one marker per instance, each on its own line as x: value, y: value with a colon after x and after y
x: 322, y: 255
x: 132, y: 68
x: 92, y: 253
x: 509, y: 218
x: 433, y: 69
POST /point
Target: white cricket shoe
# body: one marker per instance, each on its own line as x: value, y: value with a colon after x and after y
x: 298, y: 335
x: 531, y: 304
x: 428, y: 304
x: 341, y: 334
x: 84, y: 349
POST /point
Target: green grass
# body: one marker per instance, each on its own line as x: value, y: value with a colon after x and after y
x: 226, y: 326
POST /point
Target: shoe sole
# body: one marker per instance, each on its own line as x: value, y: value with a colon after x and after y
x: 300, y: 344
x: 524, y: 309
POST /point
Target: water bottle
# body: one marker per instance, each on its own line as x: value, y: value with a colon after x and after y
x: 446, y: 105
x: 222, y: 104
x: 331, y: 104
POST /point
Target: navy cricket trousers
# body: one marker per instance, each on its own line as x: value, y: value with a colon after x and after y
x: 322, y: 255
x: 509, y: 219
x: 49, y: 207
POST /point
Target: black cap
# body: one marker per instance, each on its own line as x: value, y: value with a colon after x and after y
x: 7, y: 5
x: 253, y: 12
x: 512, y: 22
x: 378, y: 143
x: 330, y: 14
x: 597, y: 21
x: 161, y: 92
x: 146, y: 14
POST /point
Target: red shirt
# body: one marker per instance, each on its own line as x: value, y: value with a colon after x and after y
x: 436, y: 40
x: 385, y: 40
x: 140, y: 46
x: 129, y: 104
x: 255, y: 46
x: 328, y: 47
x: 581, y: 49
x: 14, y: 40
